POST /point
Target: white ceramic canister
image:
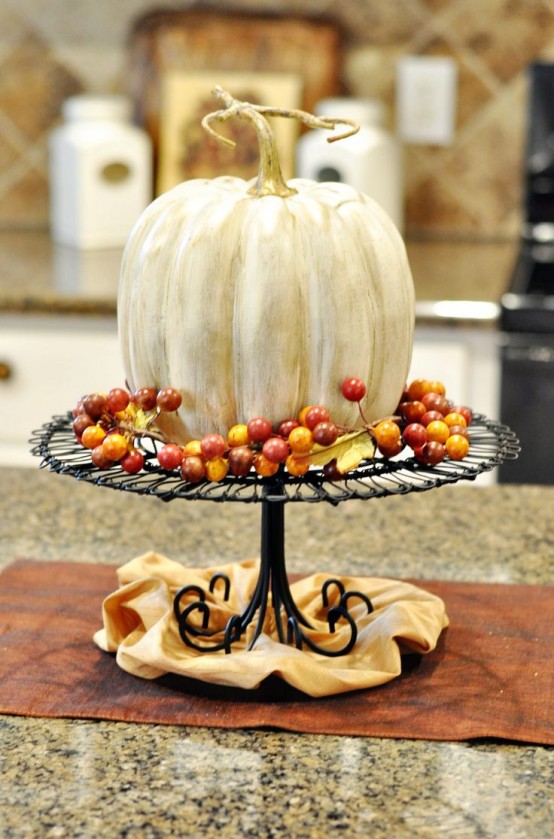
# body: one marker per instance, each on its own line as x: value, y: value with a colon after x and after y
x: 100, y: 172
x: 371, y: 161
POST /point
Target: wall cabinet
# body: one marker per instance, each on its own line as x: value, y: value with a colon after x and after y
x: 46, y: 364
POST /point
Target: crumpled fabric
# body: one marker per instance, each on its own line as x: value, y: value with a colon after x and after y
x: 140, y: 627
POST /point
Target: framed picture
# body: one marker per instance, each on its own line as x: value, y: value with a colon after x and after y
x: 187, y: 151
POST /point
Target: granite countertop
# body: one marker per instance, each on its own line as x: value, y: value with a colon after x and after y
x: 95, y: 779
x: 38, y: 277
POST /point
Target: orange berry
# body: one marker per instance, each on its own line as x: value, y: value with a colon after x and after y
x: 438, y: 387
x: 193, y: 449
x: 457, y: 447
x: 301, y: 439
x: 438, y: 431
x: 216, y: 469
x: 453, y: 418
x: 302, y: 414
x: 264, y: 467
x: 387, y: 433
x: 418, y: 388
x: 93, y: 436
x: 238, y: 435
x: 295, y: 466
x: 115, y: 446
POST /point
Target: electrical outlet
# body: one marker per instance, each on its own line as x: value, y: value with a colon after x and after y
x: 426, y: 99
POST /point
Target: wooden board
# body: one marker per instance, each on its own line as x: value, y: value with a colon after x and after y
x: 195, y: 41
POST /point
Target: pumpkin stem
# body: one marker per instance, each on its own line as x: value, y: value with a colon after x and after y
x: 270, y: 179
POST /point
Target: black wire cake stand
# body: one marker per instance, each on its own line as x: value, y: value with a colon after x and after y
x: 490, y: 444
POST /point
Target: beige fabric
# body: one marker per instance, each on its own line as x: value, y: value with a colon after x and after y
x: 140, y: 627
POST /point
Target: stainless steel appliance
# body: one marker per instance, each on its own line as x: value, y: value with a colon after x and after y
x: 527, y: 309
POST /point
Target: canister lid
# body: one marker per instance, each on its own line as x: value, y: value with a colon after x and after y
x: 92, y: 107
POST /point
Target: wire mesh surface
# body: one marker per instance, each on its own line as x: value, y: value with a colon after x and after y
x: 490, y: 444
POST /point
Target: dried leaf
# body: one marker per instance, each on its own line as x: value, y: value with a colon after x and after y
x: 349, y: 450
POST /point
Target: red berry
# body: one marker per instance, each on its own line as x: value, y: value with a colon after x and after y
x: 193, y: 469
x: 240, y: 460
x: 331, y: 472
x: 276, y: 449
x: 436, y: 402
x: 286, y: 427
x: 431, y: 453
x: 259, y: 429
x: 94, y: 405
x: 132, y: 462
x: 459, y: 430
x: 168, y: 399
x: 393, y: 449
x: 315, y: 415
x: 412, y: 411
x: 145, y: 398
x: 100, y: 459
x: 81, y: 422
x: 170, y: 456
x: 212, y: 445
x: 353, y: 389
x: 415, y: 435
x: 325, y: 433
x: 117, y: 400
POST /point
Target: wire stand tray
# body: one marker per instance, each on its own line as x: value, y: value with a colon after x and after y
x: 490, y: 444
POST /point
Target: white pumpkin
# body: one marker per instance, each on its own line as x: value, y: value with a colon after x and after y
x: 258, y: 298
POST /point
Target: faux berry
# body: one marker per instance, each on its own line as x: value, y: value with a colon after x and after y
x: 301, y: 439
x: 331, y: 471
x: 216, y: 469
x: 314, y: 415
x: 435, y: 402
x: 193, y: 469
x: 132, y: 462
x: 212, y: 445
x: 431, y: 453
x: 94, y: 405
x: 238, y: 435
x: 276, y: 449
x: 168, y: 399
x: 145, y: 398
x: 325, y: 433
x: 296, y: 466
x: 117, y: 400
x: 286, y: 427
x: 457, y: 447
x: 259, y: 429
x: 115, y: 446
x: 240, y: 459
x: 353, y: 389
x: 170, y: 456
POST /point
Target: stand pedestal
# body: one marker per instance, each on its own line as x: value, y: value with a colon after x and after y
x: 272, y: 578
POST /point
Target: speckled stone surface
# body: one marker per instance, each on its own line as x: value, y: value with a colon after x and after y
x: 64, y: 778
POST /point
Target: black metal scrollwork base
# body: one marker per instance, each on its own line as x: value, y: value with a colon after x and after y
x: 272, y: 578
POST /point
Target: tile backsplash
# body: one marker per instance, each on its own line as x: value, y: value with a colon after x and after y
x: 471, y: 188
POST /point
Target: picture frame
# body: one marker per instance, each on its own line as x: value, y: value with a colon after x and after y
x: 187, y: 151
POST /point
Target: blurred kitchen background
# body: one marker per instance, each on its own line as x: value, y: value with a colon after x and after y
x: 463, y: 186
x: 472, y: 187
